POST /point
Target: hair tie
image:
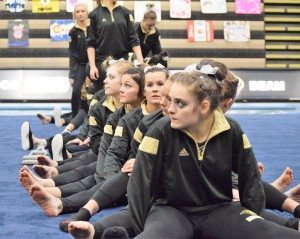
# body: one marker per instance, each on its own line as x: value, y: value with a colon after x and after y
x: 149, y: 6
x: 113, y: 61
x: 158, y: 65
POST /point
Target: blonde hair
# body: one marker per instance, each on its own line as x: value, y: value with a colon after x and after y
x: 121, y: 66
x: 80, y: 5
x: 151, y: 14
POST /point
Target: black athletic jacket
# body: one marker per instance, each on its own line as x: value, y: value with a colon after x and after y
x: 150, y: 42
x: 84, y: 130
x: 77, y: 50
x: 171, y: 168
x: 119, y: 149
x: 141, y: 130
x: 111, y: 33
x: 99, y: 113
x: 108, y: 133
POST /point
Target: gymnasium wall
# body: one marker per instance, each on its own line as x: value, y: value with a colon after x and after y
x: 269, y: 63
x: 43, y: 53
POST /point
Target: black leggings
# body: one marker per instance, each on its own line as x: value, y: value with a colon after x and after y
x: 78, y: 119
x: 79, y: 79
x: 91, y: 189
x: 74, y: 175
x: 274, y: 198
x: 112, y: 191
x: 73, y: 163
x: 121, y: 218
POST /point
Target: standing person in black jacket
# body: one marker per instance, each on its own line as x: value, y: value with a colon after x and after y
x: 148, y: 34
x: 77, y: 63
x: 111, y: 34
x: 78, y: 54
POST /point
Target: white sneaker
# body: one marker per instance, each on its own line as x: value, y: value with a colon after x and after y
x: 57, y: 116
x: 26, y: 136
x: 57, y: 147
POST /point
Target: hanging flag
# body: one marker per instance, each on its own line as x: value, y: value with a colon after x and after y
x: 45, y: 6
x: 200, y: 30
x: 72, y: 3
x: 180, y: 9
x: 237, y: 31
x: 248, y: 6
x: 213, y: 6
x: 14, y: 5
x: 140, y: 7
x: 59, y: 29
x: 18, y: 33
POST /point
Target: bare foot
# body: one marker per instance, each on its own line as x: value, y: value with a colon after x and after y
x: 294, y: 193
x: 46, y: 119
x: 44, y: 160
x: 26, y: 179
x: 81, y: 230
x: 45, y: 171
x: 33, y: 176
x: 284, y: 180
x: 51, y: 205
x: 261, y: 167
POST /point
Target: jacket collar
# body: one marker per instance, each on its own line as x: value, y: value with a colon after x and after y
x: 143, y: 106
x: 220, y: 125
x: 149, y: 33
x: 109, y: 103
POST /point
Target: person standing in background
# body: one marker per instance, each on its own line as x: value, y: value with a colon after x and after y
x: 150, y: 38
x: 111, y: 34
x: 78, y: 54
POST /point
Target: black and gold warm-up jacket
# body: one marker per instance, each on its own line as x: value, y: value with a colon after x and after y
x: 108, y: 133
x: 111, y: 33
x: 77, y: 50
x: 98, y: 116
x: 141, y: 130
x: 170, y: 168
x: 119, y: 150
x: 92, y: 99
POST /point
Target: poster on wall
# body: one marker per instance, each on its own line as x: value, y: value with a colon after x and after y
x: 140, y: 7
x: 213, y: 6
x: 14, y: 5
x: 45, y: 6
x: 59, y: 29
x: 18, y: 33
x: 200, y: 30
x: 237, y: 31
x: 180, y: 9
x: 248, y: 6
x: 72, y: 3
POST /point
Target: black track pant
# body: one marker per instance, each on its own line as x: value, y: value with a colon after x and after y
x: 233, y: 221
x: 224, y: 222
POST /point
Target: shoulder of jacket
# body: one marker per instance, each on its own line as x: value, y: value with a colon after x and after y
x: 162, y: 124
x: 95, y: 12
